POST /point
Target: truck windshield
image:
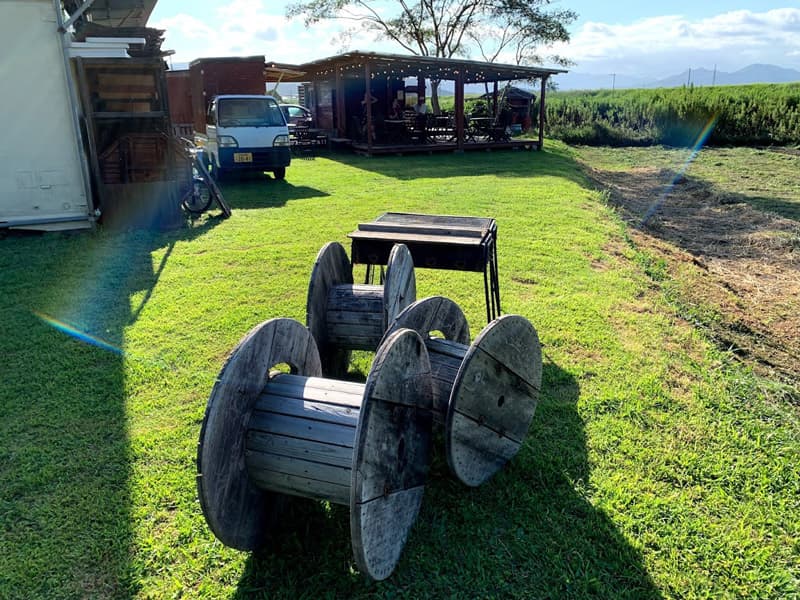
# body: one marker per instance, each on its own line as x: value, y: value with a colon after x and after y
x: 249, y: 112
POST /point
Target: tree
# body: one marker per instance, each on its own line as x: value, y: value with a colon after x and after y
x: 443, y: 28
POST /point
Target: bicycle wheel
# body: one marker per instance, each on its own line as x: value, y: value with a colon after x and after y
x: 198, y: 199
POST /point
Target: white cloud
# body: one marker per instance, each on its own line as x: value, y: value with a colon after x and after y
x: 251, y: 27
x: 668, y: 44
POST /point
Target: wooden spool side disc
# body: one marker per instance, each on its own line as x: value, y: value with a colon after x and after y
x: 235, y: 509
x: 400, y: 287
x: 392, y: 453
x: 436, y: 313
x: 331, y: 268
x: 493, y: 400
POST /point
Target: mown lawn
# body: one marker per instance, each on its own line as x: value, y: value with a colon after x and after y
x: 655, y: 465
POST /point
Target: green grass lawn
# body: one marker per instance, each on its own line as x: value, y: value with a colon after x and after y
x: 655, y: 466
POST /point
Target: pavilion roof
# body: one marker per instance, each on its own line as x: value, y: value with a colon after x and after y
x: 352, y: 64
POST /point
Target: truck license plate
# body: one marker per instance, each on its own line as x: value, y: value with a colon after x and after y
x: 242, y: 157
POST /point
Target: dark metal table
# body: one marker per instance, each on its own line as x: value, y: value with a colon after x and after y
x: 435, y: 242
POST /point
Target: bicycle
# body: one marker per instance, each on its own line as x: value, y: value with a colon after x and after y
x: 204, y: 190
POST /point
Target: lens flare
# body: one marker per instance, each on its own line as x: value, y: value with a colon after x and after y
x: 702, y: 138
x: 79, y: 335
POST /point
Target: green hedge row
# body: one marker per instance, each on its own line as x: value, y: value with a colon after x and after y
x: 763, y: 114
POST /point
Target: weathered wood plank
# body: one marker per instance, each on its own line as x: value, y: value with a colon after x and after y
x: 353, y: 335
x: 306, y: 488
x: 408, y: 237
x: 300, y: 468
x: 322, y: 452
x: 359, y: 297
x: 318, y: 411
x: 417, y: 228
x: 478, y: 223
x: 317, y: 389
x: 447, y: 348
x: 305, y: 429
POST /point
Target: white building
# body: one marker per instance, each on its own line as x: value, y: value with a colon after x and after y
x: 45, y: 181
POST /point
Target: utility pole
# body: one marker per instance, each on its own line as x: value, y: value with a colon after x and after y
x: 689, y: 79
x: 714, y: 77
x: 613, y: 81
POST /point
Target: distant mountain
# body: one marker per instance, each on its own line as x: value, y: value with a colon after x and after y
x: 699, y: 77
x: 750, y: 74
x: 592, y: 81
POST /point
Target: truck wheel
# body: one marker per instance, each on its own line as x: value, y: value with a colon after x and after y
x: 279, y: 173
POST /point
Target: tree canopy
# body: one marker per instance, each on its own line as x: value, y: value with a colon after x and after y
x: 502, y: 30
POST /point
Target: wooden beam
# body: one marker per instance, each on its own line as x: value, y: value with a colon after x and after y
x: 541, y: 112
x: 341, y: 115
x: 459, y: 106
x: 368, y: 103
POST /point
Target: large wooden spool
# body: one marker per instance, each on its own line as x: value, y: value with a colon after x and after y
x: 344, y: 316
x: 268, y: 435
x: 485, y: 393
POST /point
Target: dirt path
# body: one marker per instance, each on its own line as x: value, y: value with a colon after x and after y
x: 741, y: 262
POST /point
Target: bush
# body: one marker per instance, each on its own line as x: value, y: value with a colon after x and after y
x: 739, y: 115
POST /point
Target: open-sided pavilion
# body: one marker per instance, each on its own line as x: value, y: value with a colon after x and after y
x: 339, y: 86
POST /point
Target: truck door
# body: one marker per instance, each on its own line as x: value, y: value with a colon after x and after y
x: 211, y: 132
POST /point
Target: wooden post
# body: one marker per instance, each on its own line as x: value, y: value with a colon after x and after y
x: 91, y: 135
x: 368, y: 104
x: 494, y: 100
x: 341, y: 112
x: 459, y: 106
x: 267, y: 435
x: 484, y: 393
x: 343, y: 316
x: 541, y: 112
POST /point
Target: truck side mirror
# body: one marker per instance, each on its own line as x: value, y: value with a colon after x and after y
x: 211, y: 117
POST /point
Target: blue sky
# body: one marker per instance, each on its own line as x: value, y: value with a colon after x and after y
x: 626, y: 37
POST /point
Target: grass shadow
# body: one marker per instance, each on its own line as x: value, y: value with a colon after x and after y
x: 265, y: 192
x: 530, y: 532
x: 65, y: 458
x: 555, y: 162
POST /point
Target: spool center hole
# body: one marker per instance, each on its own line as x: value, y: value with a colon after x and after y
x: 500, y: 401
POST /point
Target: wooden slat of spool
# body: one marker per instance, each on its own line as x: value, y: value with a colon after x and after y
x: 392, y: 453
x: 306, y: 475
x: 493, y: 399
x: 288, y: 446
x: 318, y: 389
x: 356, y: 297
x: 292, y: 420
x: 237, y: 511
x: 319, y: 411
x: 304, y: 429
x: 444, y: 370
x: 293, y: 486
x: 331, y: 268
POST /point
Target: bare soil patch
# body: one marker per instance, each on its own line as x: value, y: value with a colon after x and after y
x: 745, y: 263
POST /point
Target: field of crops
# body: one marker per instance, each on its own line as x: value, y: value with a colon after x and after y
x: 737, y: 115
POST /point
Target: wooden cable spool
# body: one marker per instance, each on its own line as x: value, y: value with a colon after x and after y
x: 344, y: 316
x: 268, y: 435
x: 485, y: 393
